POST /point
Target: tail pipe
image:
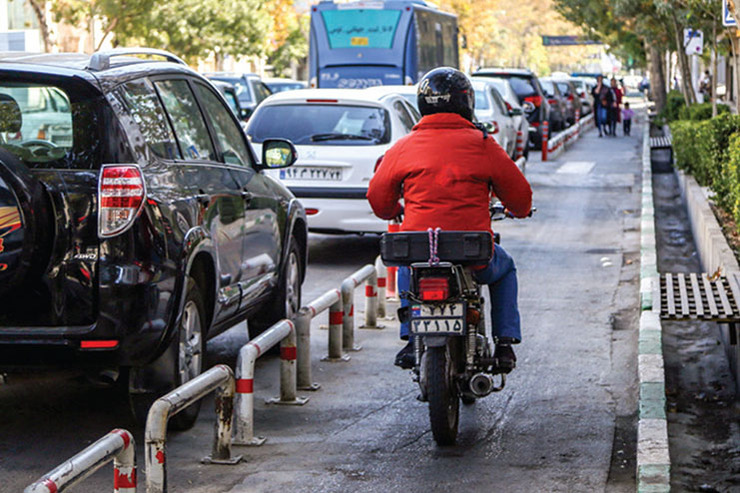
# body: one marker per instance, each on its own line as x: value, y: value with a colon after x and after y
x: 482, y: 384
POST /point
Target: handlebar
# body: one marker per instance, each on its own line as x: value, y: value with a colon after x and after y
x: 499, y: 212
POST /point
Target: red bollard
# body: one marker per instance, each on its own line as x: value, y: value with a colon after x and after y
x: 393, y: 227
x: 545, y: 132
x: 519, y: 144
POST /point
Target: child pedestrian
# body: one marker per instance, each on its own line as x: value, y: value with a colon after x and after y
x: 627, y: 115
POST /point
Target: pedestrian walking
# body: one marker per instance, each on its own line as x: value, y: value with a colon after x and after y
x: 614, y: 113
x: 600, y: 95
x: 627, y: 115
x: 705, y: 87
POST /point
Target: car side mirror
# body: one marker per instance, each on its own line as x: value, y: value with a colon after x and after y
x: 515, y: 112
x: 278, y: 153
x: 245, y: 114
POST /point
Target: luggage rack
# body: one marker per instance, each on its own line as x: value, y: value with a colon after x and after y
x: 700, y: 296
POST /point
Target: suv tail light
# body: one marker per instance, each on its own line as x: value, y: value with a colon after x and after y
x: 121, y: 192
x: 552, y: 101
x: 434, y: 288
x: 535, y: 100
x: 571, y: 97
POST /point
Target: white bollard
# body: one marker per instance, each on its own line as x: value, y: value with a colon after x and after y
x: 382, y: 279
x: 244, y: 405
x: 288, y: 373
x: 304, y: 381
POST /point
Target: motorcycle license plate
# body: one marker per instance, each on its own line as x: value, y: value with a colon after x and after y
x: 438, y: 318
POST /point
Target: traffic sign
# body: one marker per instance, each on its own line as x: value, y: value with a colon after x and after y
x: 727, y: 18
x: 693, y: 41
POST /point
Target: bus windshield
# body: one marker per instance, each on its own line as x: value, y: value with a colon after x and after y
x: 361, y: 28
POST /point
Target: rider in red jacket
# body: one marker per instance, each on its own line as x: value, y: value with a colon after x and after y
x: 446, y: 171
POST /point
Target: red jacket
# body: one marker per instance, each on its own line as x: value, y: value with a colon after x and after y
x: 446, y: 172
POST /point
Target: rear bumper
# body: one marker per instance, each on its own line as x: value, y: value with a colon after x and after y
x: 57, y: 347
x: 340, y: 215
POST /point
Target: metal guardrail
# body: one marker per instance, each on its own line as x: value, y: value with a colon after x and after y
x: 566, y: 137
x: 369, y: 275
x: 118, y: 446
x: 220, y: 378
x: 284, y: 330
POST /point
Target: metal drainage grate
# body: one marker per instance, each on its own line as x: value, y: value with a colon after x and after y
x: 699, y: 296
x: 660, y: 142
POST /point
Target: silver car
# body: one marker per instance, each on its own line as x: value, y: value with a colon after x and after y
x: 491, y: 110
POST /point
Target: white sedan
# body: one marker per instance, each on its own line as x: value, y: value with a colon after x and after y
x: 340, y: 135
x: 491, y: 110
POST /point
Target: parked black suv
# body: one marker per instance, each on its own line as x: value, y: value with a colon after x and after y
x: 135, y: 220
x: 531, y: 97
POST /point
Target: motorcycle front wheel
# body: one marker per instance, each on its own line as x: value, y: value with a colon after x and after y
x: 444, y: 401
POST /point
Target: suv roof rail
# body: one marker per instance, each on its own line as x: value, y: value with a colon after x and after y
x: 100, y: 60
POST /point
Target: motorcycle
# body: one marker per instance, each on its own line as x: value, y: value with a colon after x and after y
x: 454, y: 357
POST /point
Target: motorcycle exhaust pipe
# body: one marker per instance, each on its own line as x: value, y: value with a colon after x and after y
x: 481, y: 384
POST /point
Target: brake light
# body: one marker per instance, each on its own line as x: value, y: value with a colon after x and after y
x: 535, y: 100
x: 571, y: 97
x: 311, y: 212
x: 552, y: 101
x: 434, y: 288
x: 120, y: 195
x: 322, y: 101
x: 534, y: 124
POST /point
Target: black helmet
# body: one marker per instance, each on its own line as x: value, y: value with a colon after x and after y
x: 446, y: 90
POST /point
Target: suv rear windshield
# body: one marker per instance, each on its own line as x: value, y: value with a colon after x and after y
x: 46, y: 126
x: 548, y: 87
x: 321, y: 124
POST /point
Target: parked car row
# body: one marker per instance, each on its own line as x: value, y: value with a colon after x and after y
x: 552, y: 100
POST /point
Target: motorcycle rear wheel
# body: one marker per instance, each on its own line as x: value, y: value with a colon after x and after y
x: 444, y: 401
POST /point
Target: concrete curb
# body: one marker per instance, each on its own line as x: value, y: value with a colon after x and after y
x: 653, y: 459
x: 714, y: 252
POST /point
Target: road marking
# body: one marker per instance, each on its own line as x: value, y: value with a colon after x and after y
x: 577, y: 167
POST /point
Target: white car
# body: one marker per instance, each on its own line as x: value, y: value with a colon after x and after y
x: 408, y: 92
x: 340, y: 135
x: 490, y: 109
x: 511, y: 100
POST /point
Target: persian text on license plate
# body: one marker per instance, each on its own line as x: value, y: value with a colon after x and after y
x: 311, y: 173
x: 446, y: 317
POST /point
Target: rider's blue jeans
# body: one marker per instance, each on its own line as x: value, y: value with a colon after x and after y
x: 500, y: 275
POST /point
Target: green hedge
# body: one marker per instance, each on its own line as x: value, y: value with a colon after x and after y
x: 702, y: 148
x: 733, y: 177
x: 701, y: 111
x: 673, y: 104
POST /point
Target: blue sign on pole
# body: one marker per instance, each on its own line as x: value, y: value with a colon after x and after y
x: 727, y: 18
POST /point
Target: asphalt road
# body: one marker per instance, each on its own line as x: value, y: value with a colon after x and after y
x: 565, y: 422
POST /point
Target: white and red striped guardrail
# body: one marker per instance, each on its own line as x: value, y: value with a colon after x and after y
x: 555, y: 145
x: 284, y: 333
x: 118, y: 446
x: 220, y: 378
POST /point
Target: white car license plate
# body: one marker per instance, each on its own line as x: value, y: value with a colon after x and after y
x: 444, y: 317
x: 311, y: 173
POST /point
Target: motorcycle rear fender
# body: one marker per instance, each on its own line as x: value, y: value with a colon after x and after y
x: 435, y: 341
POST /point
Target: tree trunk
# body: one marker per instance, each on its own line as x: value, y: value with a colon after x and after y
x: 40, y: 12
x: 687, y: 87
x: 714, y: 67
x: 657, y: 77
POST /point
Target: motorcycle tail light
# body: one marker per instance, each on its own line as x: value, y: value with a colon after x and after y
x: 121, y: 193
x: 535, y: 100
x: 473, y: 316
x: 434, y: 288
